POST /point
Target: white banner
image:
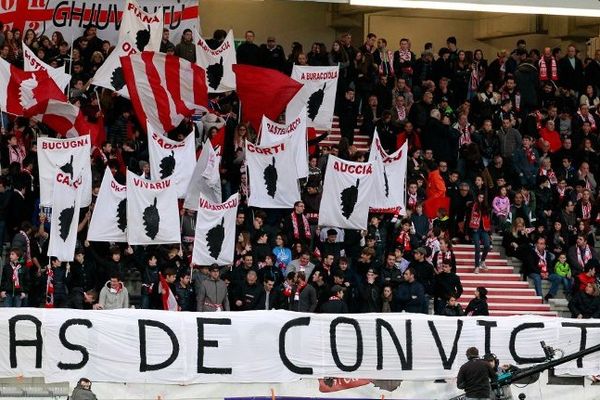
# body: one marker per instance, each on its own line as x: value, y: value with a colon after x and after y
x: 66, y: 156
x: 206, y: 179
x: 217, y: 64
x: 65, y: 217
x: 71, y: 17
x: 317, y: 94
x: 139, y: 32
x: 271, y: 133
x: 390, y: 193
x: 347, y: 192
x: 272, y: 346
x: 31, y: 62
x: 215, y: 239
x: 169, y: 158
x: 109, y: 219
x: 271, y: 183
x: 152, y: 209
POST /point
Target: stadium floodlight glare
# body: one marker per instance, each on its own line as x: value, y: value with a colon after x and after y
x: 578, y: 8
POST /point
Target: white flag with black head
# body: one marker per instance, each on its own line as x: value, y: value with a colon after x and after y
x: 272, y: 178
x: 390, y: 172
x: 139, y: 31
x: 218, y: 64
x: 152, y: 209
x: 347, y: 191
x: 214, y: 241
x: 206, y: 179
x: 295, y: 129
x: 60, y: 159
x: 109, y: 219
x: 317, y: 94
x: 65, y: 217
x: 169, y: 158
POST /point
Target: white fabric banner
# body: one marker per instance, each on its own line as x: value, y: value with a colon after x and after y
x: 68, y: 156
x: 139, y: 31
x: 109, y: 219
x: 390, y: 193
x: 271, y: 183
x: 65, y: 217
x: 271, y: 133
x: 347, y: 192
x: 317, y: 94
x: 217, y: 64
x: 182, y: 348
x: 215, y: 239
x: 31, y: 62
x: 72, y: 17
x: 169, y: 158
x: 152, y: 209
x: 206, y: 180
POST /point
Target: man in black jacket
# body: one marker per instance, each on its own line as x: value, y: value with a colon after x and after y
x: 475, y: 375
x: 410, y: 296
x: 335, y: 304
x: 248, y: 52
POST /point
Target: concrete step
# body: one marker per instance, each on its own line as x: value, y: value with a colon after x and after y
x: 518, y: 307
x: 507, y: 299
x: 469, y: 290
x: 489, y: 277
x: 465, y: 260
x: 507, y: 313
x: 468, y: 268
x: 495, y: 284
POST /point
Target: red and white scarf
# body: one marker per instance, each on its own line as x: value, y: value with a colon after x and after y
x: 168, y: 298
x: 550, y: 174
x: 530, y: 155
x: 465, y: 135
x: 542, y: 263
x: 544, y: 70
x: 28, y: 246
x: 50, y: 288
x: 589, y: 118
x: 441, y: 257
x: 387, y: 58
x: 401, y: 113
x: 295, y: 225
x: 586, y: 210
x: 561, y: 193
x: 585, y: 256
x: 403, y: 239
x: 412, y: 201
x: 475, y: 219
x: 15, y: 275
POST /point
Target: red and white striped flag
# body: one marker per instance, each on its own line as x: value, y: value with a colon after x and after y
x: 164, y: 89
x: 62, y: 117
x: 168, y: 298
x: 20, y: 90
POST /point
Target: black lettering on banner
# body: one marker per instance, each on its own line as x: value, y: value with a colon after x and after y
x: 513, y: 339
x: 583, y: 340
x: 406, y: 361
x: 488, y: 325
x: 202, y: 343
x: 333, y: 340
x: 303, y: 321
x: 59, y: 20
x: 62, y: 334
x: 446, y: 361
x: 14, y: 343
x: 144, y: 366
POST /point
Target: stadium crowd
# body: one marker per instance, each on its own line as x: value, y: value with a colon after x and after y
x: 510, y: 141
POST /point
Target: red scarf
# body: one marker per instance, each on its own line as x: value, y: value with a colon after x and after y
x: 586, y: 211
x: 295, y: 225
x: 50, y: 288
x: 441, y: 257
x: 28, y: 246
x: 542, y: 263
x: 544, y: 69
x: 412, y: 201
x: 475, y: 219
x: 404, y: 240
x: 465, y: 136
x: 299, y: 290
x: 582, y: 259
x: 15, y: 275
x: 334, y: 298
x: 589, y: 119
x: 530, y: 155
x: 561, y: 193
x: 387, y: 57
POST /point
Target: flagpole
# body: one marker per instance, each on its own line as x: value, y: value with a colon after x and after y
x: 70, y: 64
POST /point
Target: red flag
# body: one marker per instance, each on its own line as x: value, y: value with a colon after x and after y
x: 263, y: 91
x: 64, y: 118
x: 20, y: 90
x: 167, y: 296
x: 164, y: 89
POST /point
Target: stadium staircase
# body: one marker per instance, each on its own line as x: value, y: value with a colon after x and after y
x: 333, y: 138
x: 508, y: 294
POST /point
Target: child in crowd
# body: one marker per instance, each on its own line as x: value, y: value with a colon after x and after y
x: 562, y: 269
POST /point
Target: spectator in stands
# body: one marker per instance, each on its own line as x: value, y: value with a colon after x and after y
x: 304, y: 296
x: 580, y: 253
x: 212, y: 294
x: 540, y: 267
x: 478, y: 306
x: 186, y: 48
x: 410, y: 296
x: 586, y: 303
x: 447, y: 285
x: 114, y: 295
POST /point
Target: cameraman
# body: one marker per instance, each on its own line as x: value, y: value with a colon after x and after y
x: 474, y: 376
x: 83, y: 390
x: 499, y: 392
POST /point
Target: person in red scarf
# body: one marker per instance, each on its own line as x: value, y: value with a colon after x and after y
x: 15, y: 281
x: 540, y: 267
x: 548, y: 67
x: 526, y: 162
x: 479, y: 223
x: 580, y: 254
x: 296, y: 225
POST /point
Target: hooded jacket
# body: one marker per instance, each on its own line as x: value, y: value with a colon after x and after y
x: 111, y: 300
